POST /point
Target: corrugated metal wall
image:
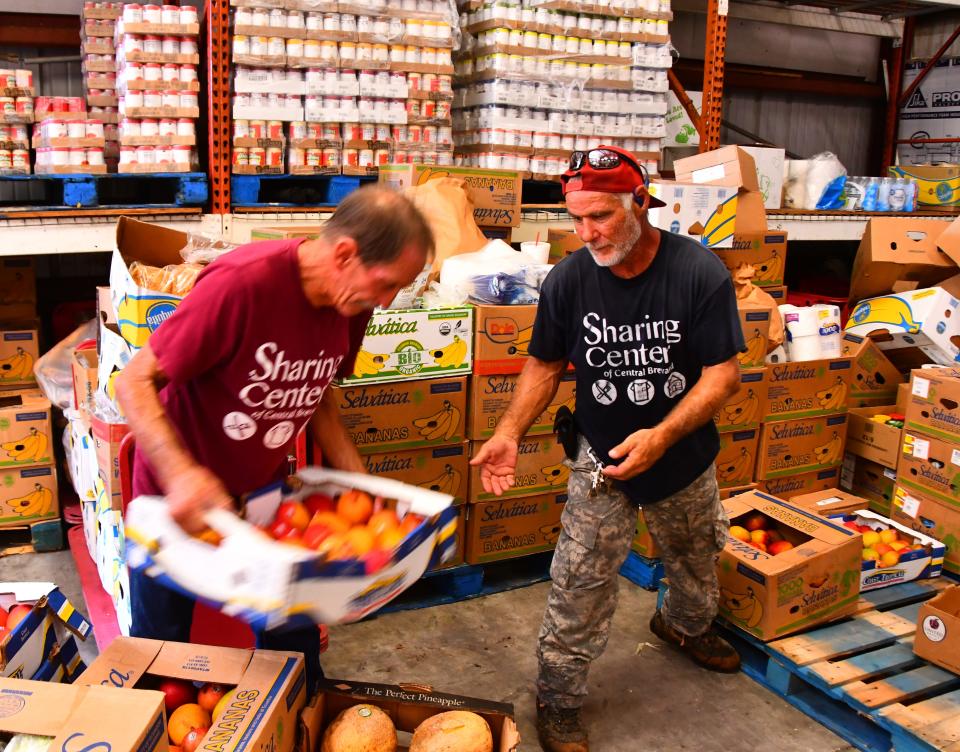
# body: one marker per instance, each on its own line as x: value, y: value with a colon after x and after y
x: 932, y: 31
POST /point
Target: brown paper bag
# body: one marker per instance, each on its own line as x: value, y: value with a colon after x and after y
x: 448, y: 208
x: 751, y: 296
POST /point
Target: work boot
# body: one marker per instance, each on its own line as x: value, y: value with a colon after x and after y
x: 560, y: 729
x: 708, y: 650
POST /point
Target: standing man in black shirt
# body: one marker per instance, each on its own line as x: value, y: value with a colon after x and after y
x: 649, y: 320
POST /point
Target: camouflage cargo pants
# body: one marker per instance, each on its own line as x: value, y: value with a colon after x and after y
x: 689, y: 528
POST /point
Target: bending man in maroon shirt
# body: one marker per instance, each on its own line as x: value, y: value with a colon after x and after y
x: 218, y: 395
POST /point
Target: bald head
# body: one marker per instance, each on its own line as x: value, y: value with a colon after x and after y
x: 383, y: 223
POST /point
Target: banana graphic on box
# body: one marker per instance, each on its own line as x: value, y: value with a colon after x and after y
x: 888, y: 310
x: 755, y: 350
x: 35, y: 504
x: 833, y: 397
x: 742, y: 607
x: 770, y: 269
x: 569, y: 404
x: 451, y: 356
x: 368, y: 364
x: 556, y: 475
x: 741, y: 467
x: 28, y: 448
x: 933, y: 192
x: 743, y: 412
x: 521, y: 343
x: 830, y: 452
x: 719, y: 225
x: 17, y: 367
x: 447, y: 482
x: 443, y: 423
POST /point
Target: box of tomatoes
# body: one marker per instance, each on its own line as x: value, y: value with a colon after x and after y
x: 326, y: 544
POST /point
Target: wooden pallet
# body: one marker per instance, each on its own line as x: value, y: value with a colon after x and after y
x: 31, y: 538
x: 860, y: 678
x: 293, y: 190
x: 117, y: 190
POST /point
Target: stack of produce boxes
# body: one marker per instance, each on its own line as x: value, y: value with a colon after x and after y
x: 927, y: 494
x: 405, y: 405
x: 16, y: 114
x: 27, y: 466
x: 158, y: 87
x: 526, y: 519
x: 541, y: 80
x: 341, y: 87
x: 100, y: 71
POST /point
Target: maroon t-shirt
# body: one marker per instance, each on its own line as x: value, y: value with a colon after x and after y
x: 248, y: 359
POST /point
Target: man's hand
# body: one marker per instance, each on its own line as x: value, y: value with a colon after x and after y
x: 640, y: 449
x: 192, y: 493
x: 498, y: 462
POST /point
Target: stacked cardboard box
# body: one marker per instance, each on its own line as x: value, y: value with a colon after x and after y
x: 927, y: 494
x: 100, y: 72
x: 16, y: 86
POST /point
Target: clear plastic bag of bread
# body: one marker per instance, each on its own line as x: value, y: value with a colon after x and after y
x: 179, y: 279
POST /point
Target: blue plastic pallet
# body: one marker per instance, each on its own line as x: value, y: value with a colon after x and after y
x: 647, y: 573
x: 860, y: 678
x: 293, y: 190
x: 163, y: 189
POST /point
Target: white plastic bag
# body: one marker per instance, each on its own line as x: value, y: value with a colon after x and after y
x: 54, y: 369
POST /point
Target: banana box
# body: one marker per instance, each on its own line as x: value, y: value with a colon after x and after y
x: 745, y: 408
x: 415, y: 344
x: 540, y: 469
x: 84, y: 367
x: 25, y: 429
x: 872, y: 440
x: 872, y: 481
x: 801, y: 446
x: 43, y: 645
x: 937, y: 638
x: 140, y: 310
x: 766, y: 252
x: 816, y: 581
x: 737, y: 457
x: 502, y: 335
x: 755, y: 323
x: 490, y: 396
x: 19, y: 350
x: 18, y: 288
x: 874, y: 376
x: 506, y: 528
x: 924, y: 561
x: 928, y: 319
x: 106, y: 440
x: 456, y: 557
x: 792, y: 485
x: 807, y: 388
x: 113, y: 354
x: 28, y: 494
x: 404, y: 414
x: 726, y: 493
x: 898, y: 249
x: 931, y: 516
x: 937, y: 185
x: 931, y: 466
x: 442, y: 468
x: 933, y: 406
x: 830, y: 502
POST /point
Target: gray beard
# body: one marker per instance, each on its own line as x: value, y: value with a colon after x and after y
x: 621, y: 251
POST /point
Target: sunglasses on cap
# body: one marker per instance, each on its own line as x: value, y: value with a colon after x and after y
x: 606, y: 159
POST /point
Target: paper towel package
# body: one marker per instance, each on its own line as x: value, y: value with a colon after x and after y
x: 813, y: 332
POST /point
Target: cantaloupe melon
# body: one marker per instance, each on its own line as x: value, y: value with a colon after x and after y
x: 453, y: 731
x: 360, y: 728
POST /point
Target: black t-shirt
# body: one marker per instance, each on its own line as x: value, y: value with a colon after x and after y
x: 639, y: 345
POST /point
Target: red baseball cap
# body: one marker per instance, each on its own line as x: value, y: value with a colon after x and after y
x: 623, y: 175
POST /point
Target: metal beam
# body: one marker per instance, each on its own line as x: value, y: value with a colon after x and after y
x: 713, y: 62
x: 691, y: 109
x: 39, y: 30
x: 930, y: 65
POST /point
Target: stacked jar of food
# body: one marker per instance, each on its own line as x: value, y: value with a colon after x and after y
x: 158, y: 86
x: 16, y: 113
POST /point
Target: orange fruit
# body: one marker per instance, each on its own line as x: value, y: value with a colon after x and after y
x: 360, y: 539
x: 380, y: 522
x: 184, y: 718
x: 355, y: 506
x: 890, y: 559
x: 332, y: 520
x: 331, y: 545
x: 410, y: 523
x: 390, y: 539
x: 210, y: 695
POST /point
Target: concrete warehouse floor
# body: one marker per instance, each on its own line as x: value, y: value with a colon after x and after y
x: 643, y: 695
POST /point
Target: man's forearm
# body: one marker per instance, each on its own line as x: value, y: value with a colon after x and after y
x: 535, y: 388
x: 138, y: 395
x: 715, y: 386
x: 338, y: 449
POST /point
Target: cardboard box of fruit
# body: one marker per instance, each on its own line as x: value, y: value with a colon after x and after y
x: 893, y: 553
x: 73, y: 717
x: 931, y: 516
x: 792, y: 485
x: 337, y: 547
x: 212, y: 697
x: 38, y: 626
x: 784, y: 569
x: 359, y: 716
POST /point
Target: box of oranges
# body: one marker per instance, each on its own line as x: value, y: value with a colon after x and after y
x: 212, y: 697
x: 893, y: 553
x: 332, y: 545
